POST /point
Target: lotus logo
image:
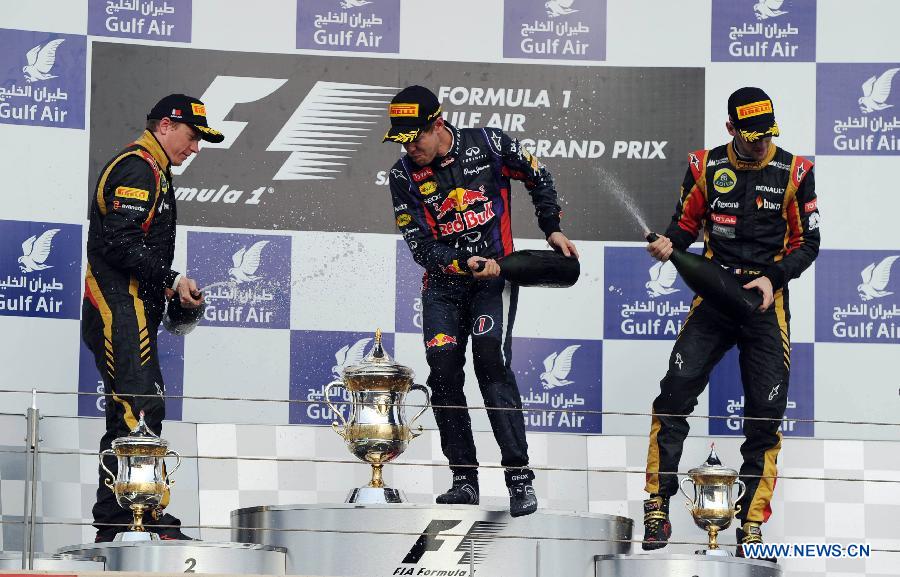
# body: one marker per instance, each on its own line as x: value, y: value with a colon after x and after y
x: 768, y: 9
x: 662, y: 277
x: 875, y: 279
x: 35, y: 251
x: 41, y: 60
x: 876, y: 91
x: 557, y: 368
x: 246, y: 262
x: 348, y: 356
x: 559, y: 7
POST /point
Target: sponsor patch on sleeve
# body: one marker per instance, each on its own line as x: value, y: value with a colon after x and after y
x: 403, y: 219
x: 810, y: 206
x: 198, y: 109
x: 135, y: 193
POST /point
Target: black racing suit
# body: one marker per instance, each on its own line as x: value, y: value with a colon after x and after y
x: 455, y: 208
x: 130, y: 247
x: 759, y: 219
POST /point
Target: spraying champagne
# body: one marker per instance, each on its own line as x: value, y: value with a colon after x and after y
x: 714, y: 283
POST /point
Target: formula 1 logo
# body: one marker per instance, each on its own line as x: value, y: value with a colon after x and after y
x: 478, y: 538
x: 322, y: 134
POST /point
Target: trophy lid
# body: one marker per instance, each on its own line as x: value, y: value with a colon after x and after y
x: 378, y: 363
x: 141, y: 436
x: 712, y: 466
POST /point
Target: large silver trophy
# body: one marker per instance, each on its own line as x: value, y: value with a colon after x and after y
x: 711, y: 505
x: 375, y: 430
x: 142, y: 481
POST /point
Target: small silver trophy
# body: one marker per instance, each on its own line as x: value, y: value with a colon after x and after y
x: 375, y: 430
x: 712, y: 506
x: 142, y: 482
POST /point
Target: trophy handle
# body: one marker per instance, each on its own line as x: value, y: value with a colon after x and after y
x: 177, y: 464
x: 334, y: 424
x: 737, y: 508
x: 111, y: 479
x: 690, y: 499
x: 425, y: 408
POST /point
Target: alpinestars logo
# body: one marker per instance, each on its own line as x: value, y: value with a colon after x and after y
x: 434, y: 547
x: 322, y: 135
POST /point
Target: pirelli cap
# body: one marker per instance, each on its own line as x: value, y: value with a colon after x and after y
x: 186, y: 109
x: 414, y: 108
x: 752, y: 114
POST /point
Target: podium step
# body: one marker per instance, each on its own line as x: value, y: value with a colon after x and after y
x: 185, y: 557
x: 682, y: 566
x: 387, y: 540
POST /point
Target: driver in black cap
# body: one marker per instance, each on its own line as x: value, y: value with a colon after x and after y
x: 451, y: 195
x: 757, y: 204
x: 130, y: 247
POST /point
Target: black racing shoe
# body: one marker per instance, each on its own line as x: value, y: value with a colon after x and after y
x: 522, y: 499
x: 464, y: 491
x: 657, y: 528
x: 749, y: 534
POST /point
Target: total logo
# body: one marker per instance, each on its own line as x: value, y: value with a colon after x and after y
x: 762, y: 203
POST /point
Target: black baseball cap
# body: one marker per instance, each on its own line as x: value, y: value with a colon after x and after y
x: 752, y: 113
x: 186, y: 109
x: 414, y: 108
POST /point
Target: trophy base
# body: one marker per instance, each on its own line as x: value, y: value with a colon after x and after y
x: 133, y: 536
x: 714, y: 553
x: 375, y: 495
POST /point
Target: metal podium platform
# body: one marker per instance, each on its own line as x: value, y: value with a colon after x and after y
x: 683, y: 566
x: 185, y: 557
x: 352, y: 540
x: 12, y: 561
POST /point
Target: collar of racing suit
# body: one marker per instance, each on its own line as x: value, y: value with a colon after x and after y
x: 741, y: 164
x: 454, y: 146
x: 151, y: 145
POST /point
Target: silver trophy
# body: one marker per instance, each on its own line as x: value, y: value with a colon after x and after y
x: 712, y: 506
x: 375, y: 430
x: 142, y: 481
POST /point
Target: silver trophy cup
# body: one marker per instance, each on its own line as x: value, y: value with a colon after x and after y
x: 712, y: 505
x: 142, y: 483
x: 375, y: 430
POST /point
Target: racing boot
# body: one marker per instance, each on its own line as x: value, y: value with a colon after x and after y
x: 522, y: 499
x: 464, y: 491
x: 657, y: 528
x: 750, y: 533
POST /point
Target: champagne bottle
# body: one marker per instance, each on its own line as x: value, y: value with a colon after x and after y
x: 542, y: 268
x: 714, y: 283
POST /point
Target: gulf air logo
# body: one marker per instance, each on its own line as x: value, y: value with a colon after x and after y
x: 875, y: 279
x: 36, y: 250
x: 557, y: 367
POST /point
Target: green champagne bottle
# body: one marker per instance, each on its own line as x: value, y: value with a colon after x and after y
x: 714, y: 283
